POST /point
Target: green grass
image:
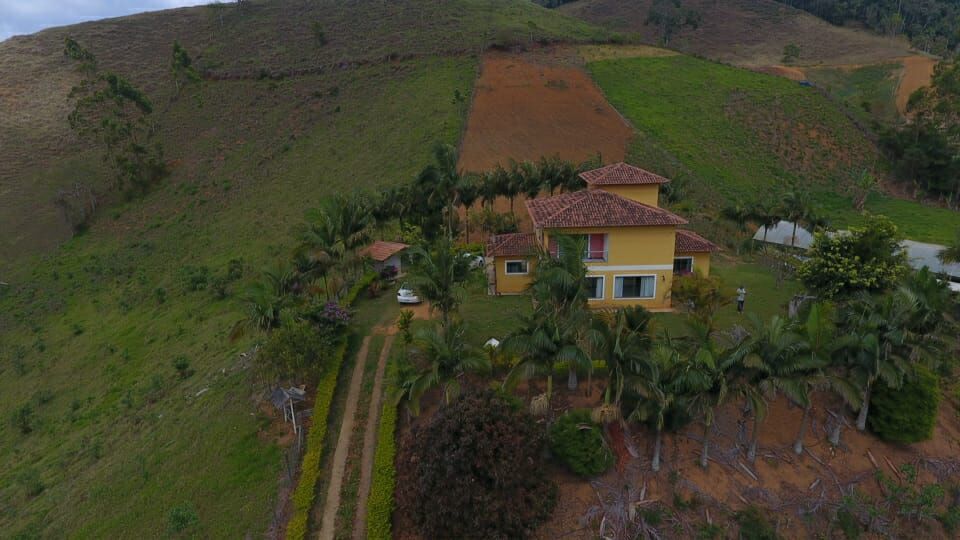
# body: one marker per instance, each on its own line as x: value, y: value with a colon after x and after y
x: 874, y: 85
x: 490, y: 316
x: 119, y: 456
x: 729, y: 130
x: 765, y: 297
x: 733, y: 135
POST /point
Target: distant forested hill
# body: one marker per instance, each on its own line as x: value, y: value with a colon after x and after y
x: 931, y: 25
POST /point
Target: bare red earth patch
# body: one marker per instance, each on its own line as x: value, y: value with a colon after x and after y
x: 525, y: 110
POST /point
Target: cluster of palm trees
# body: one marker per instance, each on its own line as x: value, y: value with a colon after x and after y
x: 324, y: 259
x: 432, y: 200
x: 840, y: 350
x: 796, y: 206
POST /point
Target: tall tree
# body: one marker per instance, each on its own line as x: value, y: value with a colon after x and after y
x: 445, y: 356
x: 799, y: 208
x: 181, y: 68
x: 468, y: 193
x: 670, y: 16
x: 438, y: 274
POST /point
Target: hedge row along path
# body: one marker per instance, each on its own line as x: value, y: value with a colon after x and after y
x: 370, y: 442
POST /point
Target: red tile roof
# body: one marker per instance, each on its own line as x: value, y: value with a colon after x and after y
x: 621, y: 174
x: 511, y: 245
x: 691, y: 242
x: 596, y: 208
x: 381, y: 251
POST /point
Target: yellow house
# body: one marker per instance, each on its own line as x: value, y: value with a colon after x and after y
x: 634, y: 247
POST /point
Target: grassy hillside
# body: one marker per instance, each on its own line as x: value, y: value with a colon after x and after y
x: 38, y: 153
x: 747, y: 32
x: 119, y: 444
x: 734, y: 135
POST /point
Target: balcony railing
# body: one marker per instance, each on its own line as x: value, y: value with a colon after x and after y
x: 592, y: 255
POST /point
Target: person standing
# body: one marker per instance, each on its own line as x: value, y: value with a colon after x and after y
x: 741, y: 298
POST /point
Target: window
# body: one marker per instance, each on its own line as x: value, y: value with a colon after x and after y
x: 634, y: 286
x: 516, y: 267
x: 683, y: 265
x: 595, y: 287
x: 596, y: 248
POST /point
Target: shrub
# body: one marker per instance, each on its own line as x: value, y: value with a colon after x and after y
x: 907, y: 414
x: 475, y: 470
x: 22, y: 418
x: 161, y: 295
x: 380, y: 502
x: 182, y: 365
x: 578, y: 443
x: 194, y: 278
x: 182, y: 518
x: 295, y: 350
x: 754, y: 525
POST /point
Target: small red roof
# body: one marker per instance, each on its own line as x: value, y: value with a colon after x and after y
x: 621, y: 174
x: 691, y: 242
x: 381, y: 251
x: 596, y: 208
x: 511, y: 245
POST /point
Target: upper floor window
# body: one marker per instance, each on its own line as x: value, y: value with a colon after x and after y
x: 594, y: 247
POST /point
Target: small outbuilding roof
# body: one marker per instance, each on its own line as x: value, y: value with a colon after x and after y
x: 691, y: 242
x: 596, y: 208
x: 381, y: 250
x: 511, y: 245
x: 621, y: 174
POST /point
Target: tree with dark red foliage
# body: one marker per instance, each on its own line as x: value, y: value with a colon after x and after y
x: 475, y: 470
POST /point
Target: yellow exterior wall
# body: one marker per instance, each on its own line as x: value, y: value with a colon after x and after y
x: 512, y: 284
x: 648, y: 194
x: 633, y: 251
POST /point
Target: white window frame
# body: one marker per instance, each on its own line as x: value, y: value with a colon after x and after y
x: 506, y: 267
x: 654, y: 276
x: 603, y: 288
x: 691, y: 259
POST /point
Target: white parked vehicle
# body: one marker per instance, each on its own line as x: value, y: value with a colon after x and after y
x: 406, y: 295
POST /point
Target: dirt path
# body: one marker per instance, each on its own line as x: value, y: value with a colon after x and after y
x: 327, y: 521
x: 370, y: 442
x: 917, y: 73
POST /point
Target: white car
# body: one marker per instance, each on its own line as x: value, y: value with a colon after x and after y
x: 406, y: 295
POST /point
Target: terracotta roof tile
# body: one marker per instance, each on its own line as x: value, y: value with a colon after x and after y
x: 691, y: 242
x: 596, y: 208
x: 511, y: 245
x: 621, y: 174
x: 381, y: 251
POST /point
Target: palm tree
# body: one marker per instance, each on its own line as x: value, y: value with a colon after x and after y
x: 883, y: 339
x: 622, y: 342
x: 439, y: 181
x: 798, y: 207
x: 559, y: 292
x: 531, y: 180
x: 266, y: 302
x: 951, y: 253
x: 771, y: 356
x: 438, y: 275
x: 820, y: 345
x: 446, y: 356
x: 767, y: 214
x: 709, y: 364
x: 657, y: 383
x: 510, y: 182
x: 467, y: 193
x: 489, y: 187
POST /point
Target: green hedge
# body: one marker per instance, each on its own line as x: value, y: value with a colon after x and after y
x: 361, y: 285
x: 380, y: 502
x: 306, y: 489
x: 304, y: 494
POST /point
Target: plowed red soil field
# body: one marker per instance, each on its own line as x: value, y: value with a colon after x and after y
x: 525, y: 110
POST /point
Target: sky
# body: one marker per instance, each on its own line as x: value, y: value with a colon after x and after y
x: 29, y: 16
